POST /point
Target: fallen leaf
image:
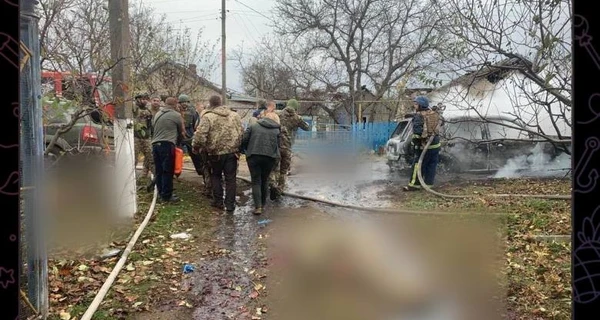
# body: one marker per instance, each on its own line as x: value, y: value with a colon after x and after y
x: 259, y: 311
x: 238, y: 288
x: 83, y: 267
x: 253, y: 295
x: 130, y: 267
x: 258, y: 286
x: 64, y: 271
x: 169, y: 249
x: 147, y: 263
x: 65, y: 316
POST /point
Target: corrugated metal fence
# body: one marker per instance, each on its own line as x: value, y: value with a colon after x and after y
x: 336, y: 139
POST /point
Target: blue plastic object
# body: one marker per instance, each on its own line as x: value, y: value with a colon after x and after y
x: 188, y: 268
x: 264, y: 222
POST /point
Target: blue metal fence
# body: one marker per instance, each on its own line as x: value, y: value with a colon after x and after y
x: 360, y: 136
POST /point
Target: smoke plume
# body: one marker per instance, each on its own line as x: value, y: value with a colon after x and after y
x: 536, y: 163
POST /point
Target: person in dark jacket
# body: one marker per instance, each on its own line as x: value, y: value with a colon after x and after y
x: 260, y: 143
x: 425, y: 125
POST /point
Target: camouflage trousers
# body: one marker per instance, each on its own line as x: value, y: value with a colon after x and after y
x: 278, y: 177
x: 144, y: 147
x: 206, y: 174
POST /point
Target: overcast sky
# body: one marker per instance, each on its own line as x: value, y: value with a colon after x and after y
x: 246, y: 23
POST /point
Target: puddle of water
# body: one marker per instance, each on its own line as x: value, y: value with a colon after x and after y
x: 348, y: 181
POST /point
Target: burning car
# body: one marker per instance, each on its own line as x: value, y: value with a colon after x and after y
x: 470, y: 143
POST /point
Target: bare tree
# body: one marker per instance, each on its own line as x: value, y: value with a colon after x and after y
x: 520, y: 49
x: 181, y: 67
x: 352, y: 43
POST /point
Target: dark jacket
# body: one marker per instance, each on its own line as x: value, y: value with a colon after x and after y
x: 262, y: 138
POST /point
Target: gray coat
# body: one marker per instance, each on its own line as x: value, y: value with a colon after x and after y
x: 262, y: 138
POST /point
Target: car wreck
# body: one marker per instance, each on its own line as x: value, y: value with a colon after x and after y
x: 471, y: 143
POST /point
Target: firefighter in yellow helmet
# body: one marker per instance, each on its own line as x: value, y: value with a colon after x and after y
x: 425, y: 125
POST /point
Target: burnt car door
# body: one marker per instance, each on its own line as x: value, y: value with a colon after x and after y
x: 464, y: 148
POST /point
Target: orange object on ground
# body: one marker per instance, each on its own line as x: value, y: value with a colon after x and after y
x: 178, y: 161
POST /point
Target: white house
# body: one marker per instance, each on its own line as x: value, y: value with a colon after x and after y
x: 500, y: 91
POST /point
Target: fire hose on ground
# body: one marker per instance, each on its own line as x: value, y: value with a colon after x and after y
x: 89, y: 313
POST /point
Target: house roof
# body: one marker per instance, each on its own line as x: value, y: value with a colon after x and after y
x: 202, y: 81
x: 242, y: 98
x: 233, y: 96
x: 495, y: 71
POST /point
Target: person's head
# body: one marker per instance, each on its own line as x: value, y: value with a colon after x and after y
x: 257, y: 113
x: 141, y: 100
x: 421, y: 103
x: 270, y: 106
x: 215, y: 101
x: 200, y: 107
x: 184, y: 99
x: 293, y: 103
x: 155, y: 102
x: 171, y: 103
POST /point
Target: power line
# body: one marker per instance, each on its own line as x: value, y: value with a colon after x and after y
x: 252, y: 9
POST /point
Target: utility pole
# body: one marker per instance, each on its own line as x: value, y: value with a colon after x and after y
x: 32, y: 163
x: 223, y: 53
x: 118, y: 13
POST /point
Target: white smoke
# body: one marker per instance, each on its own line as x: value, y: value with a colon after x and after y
x: 536, y: 163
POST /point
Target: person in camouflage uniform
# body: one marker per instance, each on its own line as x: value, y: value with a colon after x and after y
x: 142, y: 133
x: 191, y: 119
x: 220, y: 135
x: 290, y: 123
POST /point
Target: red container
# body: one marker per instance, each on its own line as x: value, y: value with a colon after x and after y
x: 178, y: 161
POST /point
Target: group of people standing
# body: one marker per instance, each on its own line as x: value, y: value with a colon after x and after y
x: 214, y: 138
x: 148, y: 137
